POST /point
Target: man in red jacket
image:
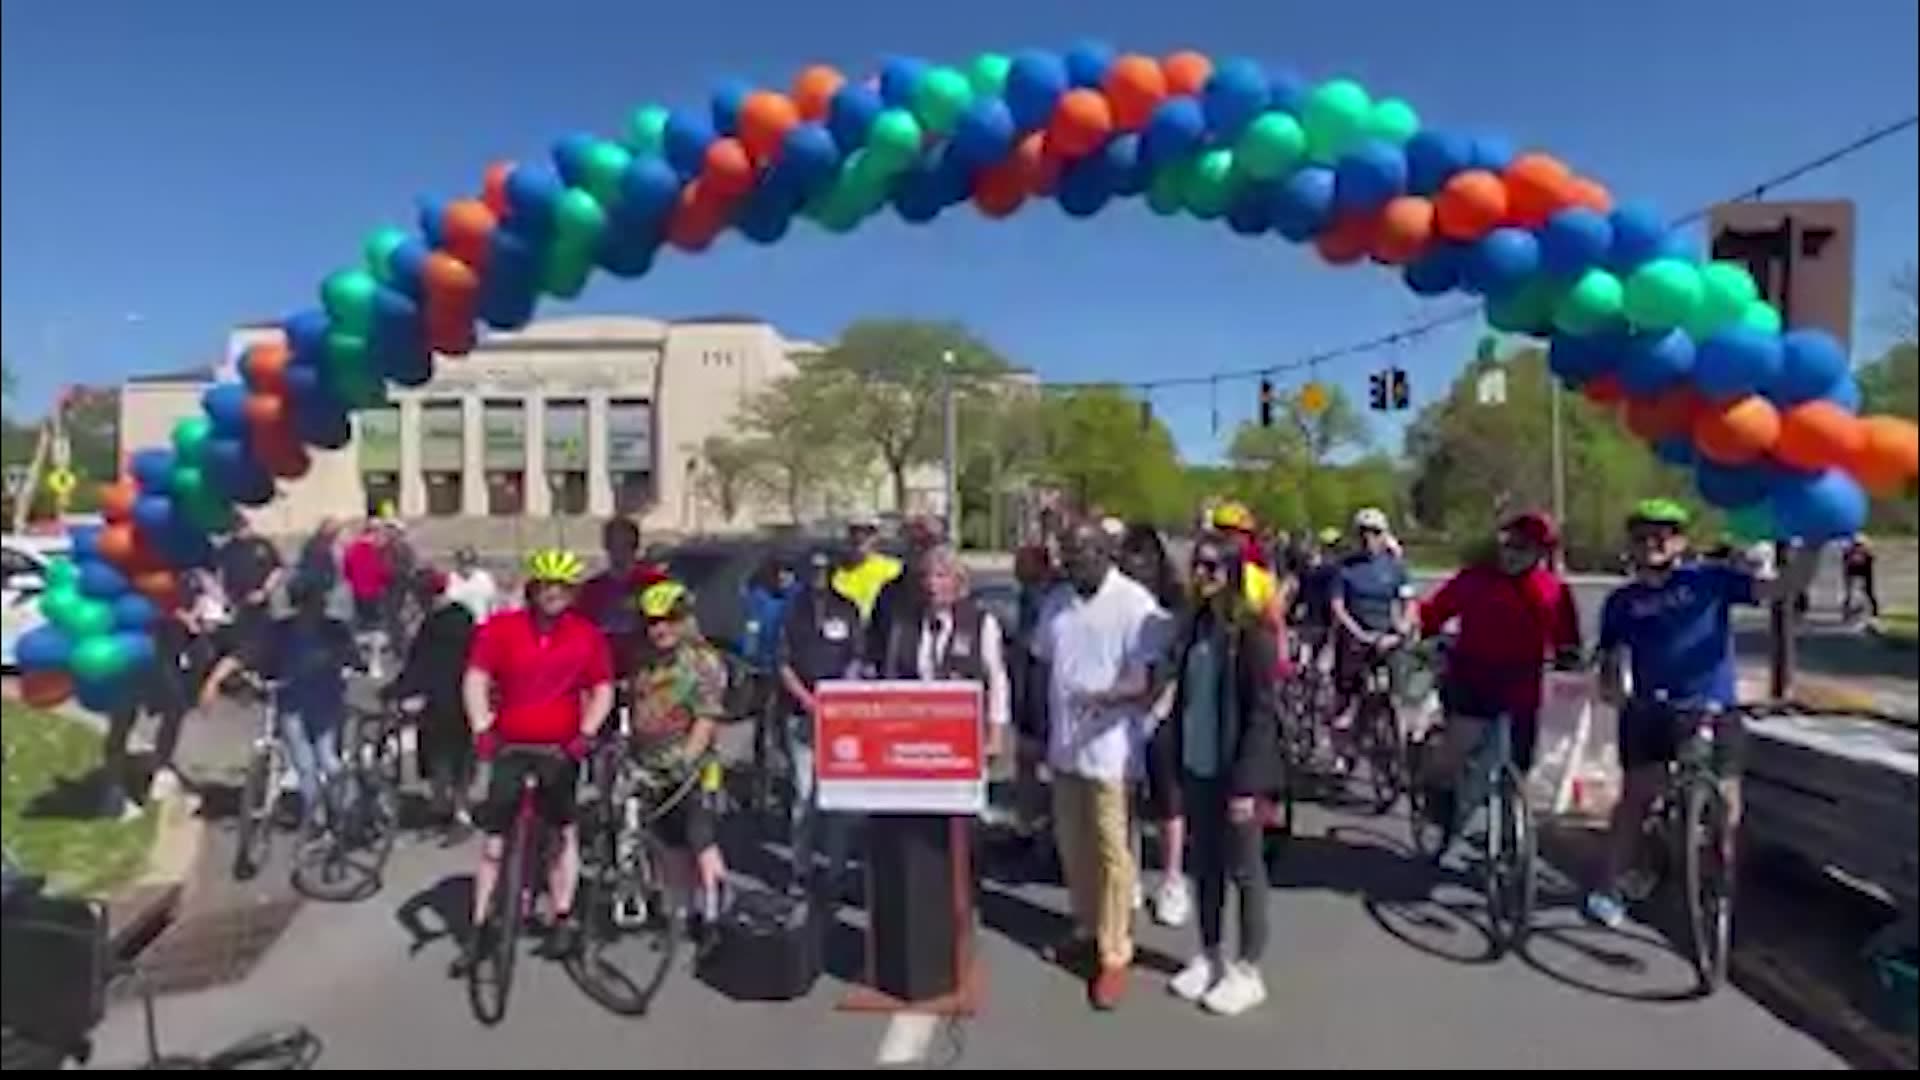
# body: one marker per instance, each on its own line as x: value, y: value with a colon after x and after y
x: 1515, y: 614
x: 607, y: 599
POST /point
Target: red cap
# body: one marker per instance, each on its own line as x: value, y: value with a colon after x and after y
x: 1535, y: 525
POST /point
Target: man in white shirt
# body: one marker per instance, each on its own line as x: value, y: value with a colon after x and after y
x: 1095, y: 641
x: 472, y: 587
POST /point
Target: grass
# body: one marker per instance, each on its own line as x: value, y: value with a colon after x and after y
x: 83, y: 856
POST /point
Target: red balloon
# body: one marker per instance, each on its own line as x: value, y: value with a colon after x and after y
x: 1347, y: 240
x: 45, y: 689
x: 493, y: 187
x: 699, y: 217
x: 727, y: 170
x: 467, y: 231
x: 1000, y: 189
x: 267, y: 366
x: 160, y: 586
x: 1665, y: 415
x: 117, y: 499
x: 1604, y: 389
x: 118, y: 544
x: 1038, y: 170
x: 265, y: 411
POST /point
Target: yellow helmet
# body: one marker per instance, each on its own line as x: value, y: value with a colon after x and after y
x: 663, y: 600
x: 555, y: 565
x: 1233, y: 516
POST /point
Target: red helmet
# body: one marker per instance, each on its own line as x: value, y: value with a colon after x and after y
x: 1537, y: 526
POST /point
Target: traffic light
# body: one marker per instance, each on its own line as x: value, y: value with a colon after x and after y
x: 1402, y: 393
x: 1146, y: 415
x: 1377, y: 391
x: 1266, y: 402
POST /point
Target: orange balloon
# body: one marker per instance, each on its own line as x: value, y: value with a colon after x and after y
x: 1000, y: 189
x: 1737, y: 432
x: 1664, y: 415
x: 118, y: 544
x: 1591, y: 194
x: 1604, y: 389
x: 1471, y: 203
x: 1135, y: 86
x: 1817, y: 435
x: 117, y: 499
x: 727, y: 169
x: 493, y: 187
x: 160, y: 586
x: 1347, y: 240
x: 45, y: 689
x: 1889, y: 456
x: 1038, y: 170
x: 765, y: 119
x: 446, y: 275
x: 1406, y: 226
x: 265, y: 411
x: 1187, y: 72
x: 1081, y: 122
x: 1537, y: 185
x: 813, y: 90
x: 267, y: 361
x: 698, y: 217
x: 467, y: 228
x: 451, y: 287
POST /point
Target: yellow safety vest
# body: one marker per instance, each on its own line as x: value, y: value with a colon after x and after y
x: 861, y: 584
x: 1261, y: 587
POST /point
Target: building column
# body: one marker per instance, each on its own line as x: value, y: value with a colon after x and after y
x: 599, y: 482
x: 473, y: 457
x: 413, y: 484
x: 533, y: 421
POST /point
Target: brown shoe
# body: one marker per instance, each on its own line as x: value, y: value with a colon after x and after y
x: 1108, y: 988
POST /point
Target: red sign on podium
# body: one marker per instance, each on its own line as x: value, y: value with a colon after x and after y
x: 900, y: 747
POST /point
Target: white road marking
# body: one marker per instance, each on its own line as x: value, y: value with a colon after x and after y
x: 908, y: 1037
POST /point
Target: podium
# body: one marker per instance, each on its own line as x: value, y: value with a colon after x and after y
x: 911, y: 756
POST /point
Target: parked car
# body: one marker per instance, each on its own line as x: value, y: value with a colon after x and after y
x: 25, y: 569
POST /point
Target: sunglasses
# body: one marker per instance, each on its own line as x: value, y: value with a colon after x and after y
x: 1206, y: 565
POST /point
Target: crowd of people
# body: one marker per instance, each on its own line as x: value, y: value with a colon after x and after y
x: 1126, y: 688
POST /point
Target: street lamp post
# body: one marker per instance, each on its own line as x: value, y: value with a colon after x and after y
x: 952, y: 448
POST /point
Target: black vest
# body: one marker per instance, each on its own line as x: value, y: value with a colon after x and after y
x: 961, y: 659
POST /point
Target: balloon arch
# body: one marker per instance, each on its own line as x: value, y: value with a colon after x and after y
x: 1697, y: 361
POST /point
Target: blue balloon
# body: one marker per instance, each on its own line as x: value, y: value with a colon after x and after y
x: 1367, y: 177
x: 306, y: 332
x: 900, y: 78
x: 850, y: 115
x: 570, y: 156
x: 1818, y: 507
x: 153, y: 513
x: 102, y: 696
x: 1432, y: 159
x: 917, y: 195
x: 1084, y: 186
x: 185, y: 545
x: 1125, y: 165
x: 225, y: 404
x: 1639, y: 236
x: 322, y: 422
x: 1235, y: 93
x: 83, y: 542
x: 152, y: 468
x: 1087, y: 63
x: 234, y: 471
x: 1811, y: 362
x: 1501, y: 261
x: 532, y: 193
x: 726, y: 101
x: 1675, y: 450
x: 43, y: 648
x: 766, y: 215
x: 1250, y: 215
x: 101, y: 580
x: 624, y: 255
x: 809, y: 160
x: 406, y: 269
x: 137, y: 646
x: 1286, y: 91
x: 984, y: 133
x: 1728, y: 486
x: 399, y: 343
x: 511, y: 288
x: 1652, y: 362
x: 1035, y: 82
x: 1845, y: 393
x: 1574, y: 241
x: 307, y: 387
x: 1737, y: 361
x: 1490, y: 152
x: 1303, y: 204
x: 431, y: 212
x: 1436, y: 272
x: 687, y: 136
x: 649, y: 188
x: 1176, y: 129
x: 134, y: 612
x: 1575, y: 358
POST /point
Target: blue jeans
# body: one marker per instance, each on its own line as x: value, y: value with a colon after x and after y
x: 313, y: 746
x: 812, y: 825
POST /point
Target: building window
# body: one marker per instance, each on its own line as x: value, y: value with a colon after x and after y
x: 383, y: 493
x: 630, y: 453
x: 503, y: 428
x: 565, y: 445
x: 443, y: 455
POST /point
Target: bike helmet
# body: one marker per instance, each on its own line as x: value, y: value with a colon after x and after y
x: 1371, y: 519
x: 1660, y: 512
x: 555, y: 566
x: 1233, y: 516
x: 1535, y: 526
x: 1330, y: 537
x: 664, y: 600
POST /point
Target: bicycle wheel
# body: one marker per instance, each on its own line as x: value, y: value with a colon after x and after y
x: 630, y: 941
x: 1708, y: 882
x: 348, y: 861
x: 1430, y: 823
x: 253, y: 840
x: 490, y: 978
x: 1509, y: 873
x: 1384, y: 753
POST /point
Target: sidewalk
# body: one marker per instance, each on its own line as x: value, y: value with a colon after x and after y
x: 1837, y: 667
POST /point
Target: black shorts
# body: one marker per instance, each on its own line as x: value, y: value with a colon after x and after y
x: 555, y: 798
x: 1162, y: 797
x: 1458, y: 700
x: 369, y: 613
x: 1651, y: 734
x: 1352, y: 660
x: 693, y: 825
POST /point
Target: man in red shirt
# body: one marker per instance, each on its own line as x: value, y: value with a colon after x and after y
x: 539, y: 676
x: 369, y: 575
x: 1515, y: 613
x: 607, y: 599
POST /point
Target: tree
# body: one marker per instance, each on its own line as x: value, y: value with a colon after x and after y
x: 1891, y: 384
x: 1904, y: 318
x: 1285, y: 473
x: 890, y: 376
x: 798, y: 427
x: 726, y: 473
x: 1099, y: 453
x: 1003, y: 437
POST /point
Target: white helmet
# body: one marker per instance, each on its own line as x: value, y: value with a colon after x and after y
x: 1371, y: 519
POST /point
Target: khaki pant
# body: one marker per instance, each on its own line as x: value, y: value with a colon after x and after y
x: 1090, y: 825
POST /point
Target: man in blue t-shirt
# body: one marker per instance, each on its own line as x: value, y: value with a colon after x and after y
x: 1674, y: 622
x: 1369, y: 606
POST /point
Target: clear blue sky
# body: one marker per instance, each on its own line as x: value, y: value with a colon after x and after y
x: 174, y: 167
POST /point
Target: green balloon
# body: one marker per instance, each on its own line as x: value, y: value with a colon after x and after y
x: 1752, y: 523
x: 578, y: 221
x: 57, y: 603
x: 1663, y: 294
x: 61, y: 574
x: 190, y: 435
x: 988, y: 74
x: 1526, y: 310
x: 348, y: 298
x: 1392, y: 121
x: 380, y: 246
x: 99, y: 657
x: 578, y: 217
x: 1271, y: 146
x: 941, y: 98
x: 188, y: 483
x: 1763, y: 317
x: 206, y: 509
x: 88, y: 618
x: 647, y: 131
x: 893, y: 142
x: 1208, y: 186
x: 1164, y: 190
x: 1726, y: 288
x: 1591, y: 303
x: 346, y: 353
x: 601, y: 169
x: 357, y: 386
x: 1335, y: 118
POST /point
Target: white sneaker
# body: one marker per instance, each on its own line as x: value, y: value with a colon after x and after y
x: 1172, y: 901
x: 164, y: 785
x: 1139, y: 895
x: 1240, y: 989
x: 1200, y: 975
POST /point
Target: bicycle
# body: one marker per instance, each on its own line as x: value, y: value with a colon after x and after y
x: 1488, y: 781
x: 346, y: 860
x: 1376, y: 730
x: 262, y: 787
x: 1306, y: 701
x: 522, y: 865
x: 1691, y: 824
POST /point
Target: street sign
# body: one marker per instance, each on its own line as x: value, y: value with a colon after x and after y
x: 900, y: 747
x: 1314, y: 399
x: 61, y: 482
x: 1801, y: 255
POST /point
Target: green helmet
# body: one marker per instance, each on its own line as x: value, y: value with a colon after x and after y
x: 555, y: 565
x: 1659, y: 512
